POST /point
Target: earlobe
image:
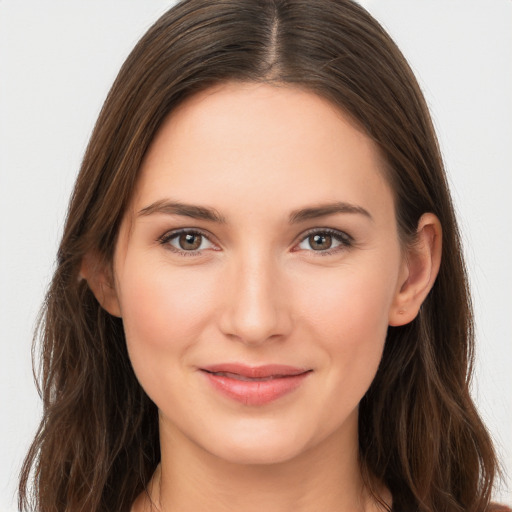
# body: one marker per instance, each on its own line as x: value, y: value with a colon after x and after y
x: 421, y: 266
x: 98, y: 275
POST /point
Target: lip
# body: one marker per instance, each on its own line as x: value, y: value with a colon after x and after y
x: 254, y: 385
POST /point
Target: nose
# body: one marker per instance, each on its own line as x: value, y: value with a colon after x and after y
x: 255, y: 308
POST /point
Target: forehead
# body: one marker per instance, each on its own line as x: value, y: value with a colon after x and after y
x: 260, y: 144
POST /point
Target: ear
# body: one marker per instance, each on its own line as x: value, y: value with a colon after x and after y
x: 100, y: 279
x: 420, y: 268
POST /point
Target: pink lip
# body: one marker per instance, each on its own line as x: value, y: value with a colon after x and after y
x: 255, y: 385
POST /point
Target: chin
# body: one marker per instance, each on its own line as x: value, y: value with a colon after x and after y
x: 257, y: 455
x: 258, y: 447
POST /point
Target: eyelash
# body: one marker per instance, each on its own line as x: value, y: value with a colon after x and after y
x: 345, y: 240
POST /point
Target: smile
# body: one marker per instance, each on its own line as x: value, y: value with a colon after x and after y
x: 255, y: 385
x: 248, y: 379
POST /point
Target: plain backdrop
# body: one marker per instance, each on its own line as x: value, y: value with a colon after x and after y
x: 57, y: 62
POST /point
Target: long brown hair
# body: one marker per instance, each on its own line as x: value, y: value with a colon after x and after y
x: 419, y: 433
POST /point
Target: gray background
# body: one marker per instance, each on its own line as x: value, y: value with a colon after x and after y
x: 57, y: 62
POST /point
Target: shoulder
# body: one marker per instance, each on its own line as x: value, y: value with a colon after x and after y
x: 496, y: 507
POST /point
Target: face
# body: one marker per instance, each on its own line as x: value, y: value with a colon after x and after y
x: 256, y: 272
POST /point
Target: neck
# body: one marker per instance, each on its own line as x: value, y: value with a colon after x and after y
x: 320, y: 478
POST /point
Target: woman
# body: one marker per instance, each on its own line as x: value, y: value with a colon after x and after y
x: 260, y: 299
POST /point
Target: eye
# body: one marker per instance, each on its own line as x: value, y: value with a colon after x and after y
x: 325, y: 241
x: 186, y: 241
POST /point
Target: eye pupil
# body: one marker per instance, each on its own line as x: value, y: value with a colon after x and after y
x: 320, y: 241
x: 190, y: 241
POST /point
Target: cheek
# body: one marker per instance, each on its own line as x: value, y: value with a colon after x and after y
x: 348, y: 319
x: 163, y: 311
x: 350, y: 303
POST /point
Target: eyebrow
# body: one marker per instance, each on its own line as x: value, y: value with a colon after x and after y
x: 323, y: 210
x: 185, y: 210
x: 212, y: 215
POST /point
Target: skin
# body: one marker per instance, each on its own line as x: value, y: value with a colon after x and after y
x: 259, y: 291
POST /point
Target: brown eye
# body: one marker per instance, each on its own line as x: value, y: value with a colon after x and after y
x: 186, y: 242
x: 326, y: 241
x: 320, y: 241
x: 190, y: 241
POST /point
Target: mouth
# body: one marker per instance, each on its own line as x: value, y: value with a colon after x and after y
x: 255, y: 385
x: 237, y: 376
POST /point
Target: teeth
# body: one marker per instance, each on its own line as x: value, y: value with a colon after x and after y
x: 236, y: 376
